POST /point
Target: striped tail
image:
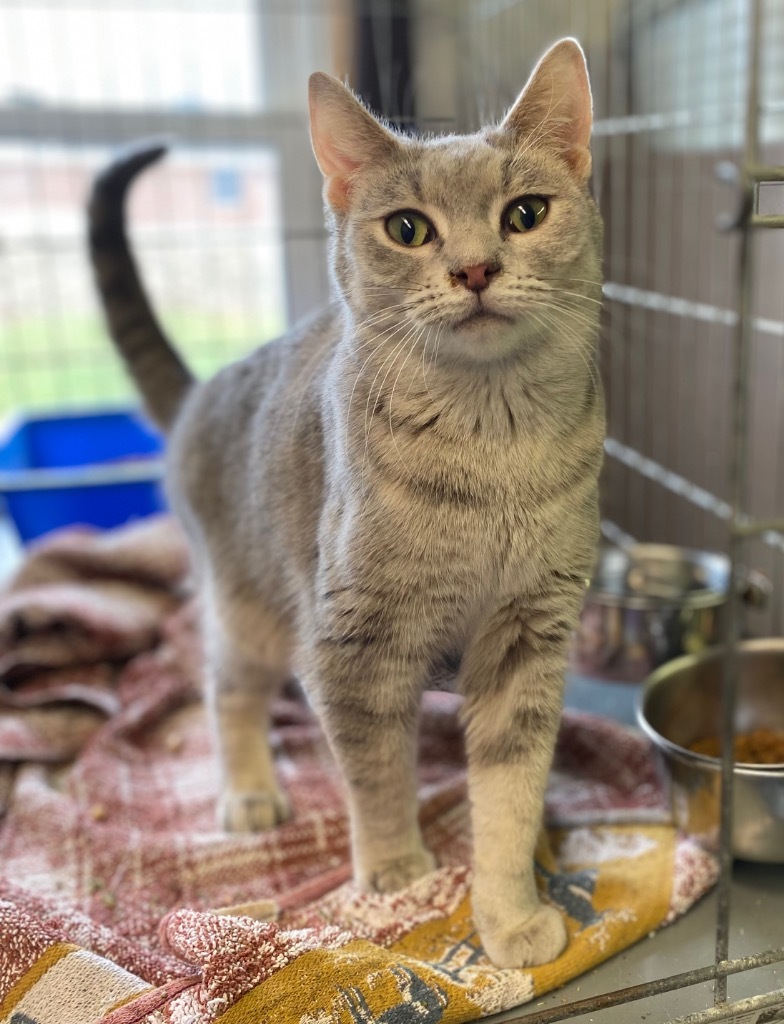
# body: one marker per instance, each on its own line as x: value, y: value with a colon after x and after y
x: 159, y: 373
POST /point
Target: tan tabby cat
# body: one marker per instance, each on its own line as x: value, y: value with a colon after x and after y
x: 406, y: 480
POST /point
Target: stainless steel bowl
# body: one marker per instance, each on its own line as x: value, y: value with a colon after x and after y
x: 680, y: 704
x: 650, y: 604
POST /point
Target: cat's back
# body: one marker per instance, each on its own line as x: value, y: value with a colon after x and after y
x: 250, y: 409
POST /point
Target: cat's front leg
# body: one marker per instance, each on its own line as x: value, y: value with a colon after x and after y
x: 367, y: 693
x: 512, y: 677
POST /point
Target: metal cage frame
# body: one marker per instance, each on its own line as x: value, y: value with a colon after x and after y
x: 746, y: 220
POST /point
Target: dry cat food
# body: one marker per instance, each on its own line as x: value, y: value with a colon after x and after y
x: 762, y: 746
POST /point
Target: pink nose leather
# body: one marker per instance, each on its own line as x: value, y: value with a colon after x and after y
x: 477, y: 278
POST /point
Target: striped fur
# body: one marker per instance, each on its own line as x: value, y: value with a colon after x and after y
x: 157, y: 369
x: 391, y: 488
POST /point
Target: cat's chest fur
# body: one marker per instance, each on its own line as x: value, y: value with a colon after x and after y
x: 460, y: 491
x: 478, y: 444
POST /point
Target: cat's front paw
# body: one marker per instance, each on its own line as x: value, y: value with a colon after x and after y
x: 537, y: 940
x: 253, y: 811
x: 394, y: 874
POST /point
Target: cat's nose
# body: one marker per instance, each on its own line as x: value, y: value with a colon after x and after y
x: 477, y: 278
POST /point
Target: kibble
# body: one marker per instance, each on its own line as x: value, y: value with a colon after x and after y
x: 762, y: 746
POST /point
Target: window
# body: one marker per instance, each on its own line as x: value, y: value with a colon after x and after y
x: 162, y: 56
x: 79, y: 79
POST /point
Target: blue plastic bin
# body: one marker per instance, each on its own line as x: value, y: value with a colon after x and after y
x: 101, y: 468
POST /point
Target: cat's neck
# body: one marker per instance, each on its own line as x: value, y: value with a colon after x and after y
x: 542, y: 389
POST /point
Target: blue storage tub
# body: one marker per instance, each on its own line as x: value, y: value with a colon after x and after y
x: 101, y: 468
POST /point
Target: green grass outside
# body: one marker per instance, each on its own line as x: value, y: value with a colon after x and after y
x: 66, y: 361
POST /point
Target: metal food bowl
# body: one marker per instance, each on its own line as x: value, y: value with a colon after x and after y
x: 651, y: 603
x: 681, y: 704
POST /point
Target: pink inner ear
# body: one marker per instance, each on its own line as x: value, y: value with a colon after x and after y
x: 335, y: 164
x: 337, y: 169
x: 345, y: 136
x: 331, y: 159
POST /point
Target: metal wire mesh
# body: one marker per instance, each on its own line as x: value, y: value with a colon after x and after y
x: 691, y: 331
x: 230, y: 233
x: 669, y: 85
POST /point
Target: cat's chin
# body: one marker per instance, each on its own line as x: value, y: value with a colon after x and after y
x: 485, y: 337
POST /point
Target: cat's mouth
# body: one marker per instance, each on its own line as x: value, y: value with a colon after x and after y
x: 482, y: 317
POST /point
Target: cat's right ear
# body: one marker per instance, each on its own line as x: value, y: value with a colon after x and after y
x: 554, y: 110
x: 345, y: 136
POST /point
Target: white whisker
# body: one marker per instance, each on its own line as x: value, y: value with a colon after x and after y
x: 368, y: 419
x: 385, y: 336
x: 578, y: 343
x: 391, y: 396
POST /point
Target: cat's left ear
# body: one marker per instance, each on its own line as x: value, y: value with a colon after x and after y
x: 554, y: 109
x: 345, y: 137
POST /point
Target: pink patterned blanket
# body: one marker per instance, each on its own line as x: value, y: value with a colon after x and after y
x: 121, y: 901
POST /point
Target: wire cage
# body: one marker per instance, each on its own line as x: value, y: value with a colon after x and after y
x: 688, y: 103
x: 229, y: 233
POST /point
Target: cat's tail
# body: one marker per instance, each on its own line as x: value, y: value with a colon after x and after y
x: 159, y: 373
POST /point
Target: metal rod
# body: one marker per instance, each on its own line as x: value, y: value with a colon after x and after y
x: 638, y: 124
x: 697, y: 976
x: 741, y: 1010
x: 754, y: 527
x: 82, y: 126
x: 613, y: 533
x: 767, y: 220
x: 770, y: 531
x: 674, y: 482
x: 764, y: 172
x: 676, y: 306
x: 633, y: 124
x: 738, y: 472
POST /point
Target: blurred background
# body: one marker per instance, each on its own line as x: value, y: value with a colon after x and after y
x: 229, y: 229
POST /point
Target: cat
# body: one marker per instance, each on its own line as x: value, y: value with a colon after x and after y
x: 408, y: 478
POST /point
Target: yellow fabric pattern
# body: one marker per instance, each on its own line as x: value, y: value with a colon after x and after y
x: 613, y: 882
x: 47, y: 960
x: 359, y: 982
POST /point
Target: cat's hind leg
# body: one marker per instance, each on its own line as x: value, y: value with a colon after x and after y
x: 246, y: 666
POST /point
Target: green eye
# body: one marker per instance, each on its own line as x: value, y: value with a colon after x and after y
x: 525, y: 213
x: 409, y: 228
